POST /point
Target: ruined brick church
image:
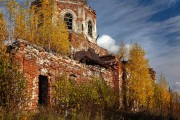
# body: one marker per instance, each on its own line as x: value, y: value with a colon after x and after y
x: 41, y: 67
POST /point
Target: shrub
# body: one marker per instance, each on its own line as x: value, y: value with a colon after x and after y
x: 80, y: 100
x: 13, y: 87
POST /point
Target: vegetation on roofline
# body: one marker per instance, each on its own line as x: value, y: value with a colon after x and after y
x: 84, y: 1
x: 42, y: 26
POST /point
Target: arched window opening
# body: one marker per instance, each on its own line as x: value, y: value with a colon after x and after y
x: 68, y: 18
x: 90, y: 28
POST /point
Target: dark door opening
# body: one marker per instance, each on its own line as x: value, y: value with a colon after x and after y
x: 43, y: 90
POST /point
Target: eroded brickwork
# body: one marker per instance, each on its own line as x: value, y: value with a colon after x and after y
x: 34, y: 61
x: 79, y: 42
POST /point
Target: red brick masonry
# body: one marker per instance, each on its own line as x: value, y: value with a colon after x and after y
x: 34, y: 61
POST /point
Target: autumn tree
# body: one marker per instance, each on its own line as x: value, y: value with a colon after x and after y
x: 3, y: 30
x: 41, y: 25
x: 12, y: 8
x: 60, y: 37
x: 13, y: 87
x: 16, y: 19
x: 51, y: 29
x: 162, y: 97
x: 176, y: 104
x: 21, y: 21
x: 139, y: 87
x: 33, y: 24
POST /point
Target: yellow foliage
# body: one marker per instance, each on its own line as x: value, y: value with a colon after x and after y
x: 3, y: 30
x: 33, y: 23
x: 52, y: 31
x: 139, y: 85
x: 60, y: 37
x: 40, y: 25
x: 162, y: 96
x: 21, y: 28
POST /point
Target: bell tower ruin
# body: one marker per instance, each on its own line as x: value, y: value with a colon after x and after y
x: 80, y: 18
x: 81, y: 24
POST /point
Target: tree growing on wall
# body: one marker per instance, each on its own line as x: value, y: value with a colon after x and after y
x: 51, y: 29
x: 41, y: 25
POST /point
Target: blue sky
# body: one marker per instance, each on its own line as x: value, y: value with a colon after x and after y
x: 155, y: 24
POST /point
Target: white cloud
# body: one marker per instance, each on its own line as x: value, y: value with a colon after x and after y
x: 108, y: 43
x: 178, y: 84
x: 176, y: 87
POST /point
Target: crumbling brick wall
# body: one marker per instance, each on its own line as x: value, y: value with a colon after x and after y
x: 34, y: 61
x: 79, y: 42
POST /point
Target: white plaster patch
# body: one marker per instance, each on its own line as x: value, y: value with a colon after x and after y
x: 43, y: 71
x: 42, y: 61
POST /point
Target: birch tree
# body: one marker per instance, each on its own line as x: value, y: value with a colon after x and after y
x: 21, y: 29
x: 3, y: 30
x: 162, y: 96
x: 139, y: 85
x: 11, y: 6
x: 51, y: 29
